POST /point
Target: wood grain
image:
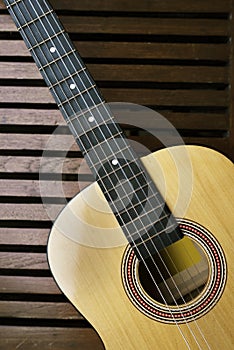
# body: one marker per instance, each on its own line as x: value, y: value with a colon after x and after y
x: 146, y: 5
x: 28, y: 285
x: 30, y: 212
x: 39, y: 142
x: 52, y: 338
x: 142, y: 96
x: 32, y: 188
x: 142, y: 6
x: 53, y: 165
x: 136, y: 26
x: 19, y: 261
x: 132, y: 50
x: 175, y: 56
x: 146, y: 73
x: 42, y: 117
x: 39, y: 310
x: 56, y: 164
x: 23, y: 237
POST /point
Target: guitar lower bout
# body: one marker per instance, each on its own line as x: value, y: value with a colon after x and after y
x: 109, y: 286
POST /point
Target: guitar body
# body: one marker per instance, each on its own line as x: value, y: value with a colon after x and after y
x: 92, y: 277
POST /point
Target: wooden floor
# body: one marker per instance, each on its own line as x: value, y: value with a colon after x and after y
x: 173, y: 56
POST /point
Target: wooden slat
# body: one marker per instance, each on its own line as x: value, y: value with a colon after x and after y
x: 142, y: 6
x: 23, y: 236
x: 179, y: 97
x: 190, y: 120
x: 132, y: 25
x: 30, y: 212
x: 35, y: 310
x: 115, y: 72
x: 32, y: 188
x: 144, y: 26
x: 28, y: 285
x: 39, y: 142
x: 11, y: 164
x: 38, y: 117
x: 168, y: 97
x: 145, y: 5
x: 44, y: 338
x: 32, y: 165
x: 133, y: 50
x: 39, y: 310
x: 25, y: 261
x: 65, y: 165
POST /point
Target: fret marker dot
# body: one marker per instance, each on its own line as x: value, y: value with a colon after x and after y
x: 115, y: 161
x: 91, y: 119
x: 52, y: 49
x: 72, y: 86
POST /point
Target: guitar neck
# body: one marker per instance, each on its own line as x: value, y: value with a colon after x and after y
x: 132, y: 195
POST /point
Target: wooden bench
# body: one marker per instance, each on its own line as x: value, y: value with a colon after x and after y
x: 173, y: 56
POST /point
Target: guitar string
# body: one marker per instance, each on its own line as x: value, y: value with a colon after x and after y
x: 42, y: 38
x: 177, y: 270
x: 176, y: 267
x: 168, y: 254
x: 85, y: 73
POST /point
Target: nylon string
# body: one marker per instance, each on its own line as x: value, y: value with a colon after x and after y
x: 95, y: 136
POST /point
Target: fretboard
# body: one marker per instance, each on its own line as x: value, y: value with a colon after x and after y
x: 134, y: 199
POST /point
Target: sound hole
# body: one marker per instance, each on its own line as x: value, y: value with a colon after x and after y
x: 177, y: 274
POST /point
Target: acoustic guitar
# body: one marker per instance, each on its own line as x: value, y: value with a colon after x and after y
x: 146, y: 274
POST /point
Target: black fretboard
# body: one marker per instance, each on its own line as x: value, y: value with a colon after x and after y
x: 135, y: 201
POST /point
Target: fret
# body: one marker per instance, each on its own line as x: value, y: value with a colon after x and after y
x: 68, y: 65
x: 64, y: 94
x: 128, y: 168
x: 144, y: 239
x: 142, y: 225
x: 39, y: 29
x: 52, y: 50
x: 105, y: 169
x: 155, y: 244
x: 46, y: 40
x: 105, y: 176
x: 89, y: 120
x: 61, y: 57
x: 102, y: 154
x: 128, y: 202
x: 72, y: 96
x: 34, y: 20
x: 94, y: 117
x: 66, y: 79
x: 147, y: 208
x: 26, y: 9
x: 98, y: 112
x: 110, y: 187
x: 100, y: 136
x: 11, y: 4
x: 142, y: 201
x: 81, y: 101
x: 133, y: 197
